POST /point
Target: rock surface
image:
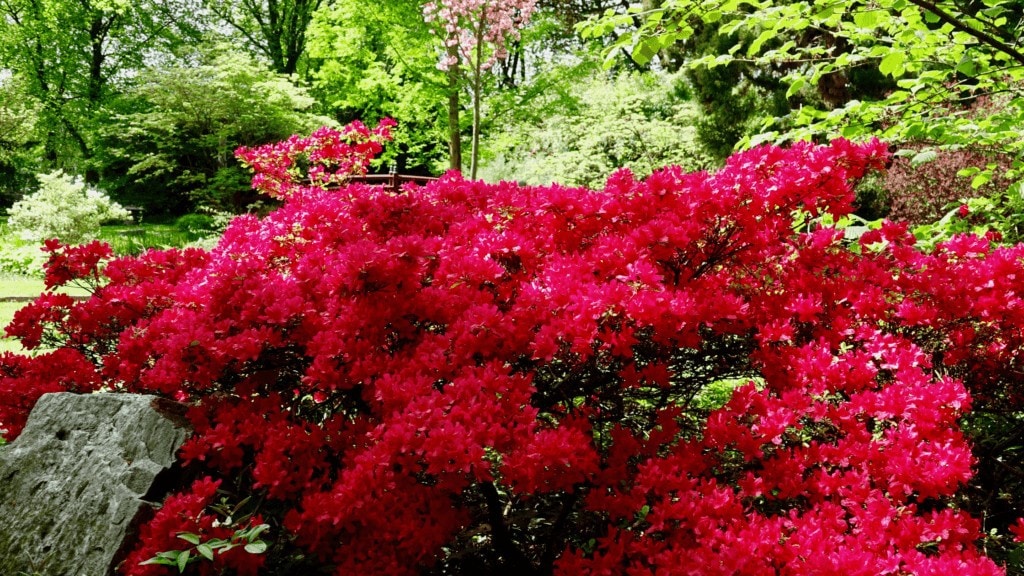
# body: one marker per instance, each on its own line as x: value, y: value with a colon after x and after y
x: 76, y: 479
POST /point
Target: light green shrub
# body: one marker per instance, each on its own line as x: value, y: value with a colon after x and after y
x: 639, y: 121
x: 64, y: 207
x: 21, y: 260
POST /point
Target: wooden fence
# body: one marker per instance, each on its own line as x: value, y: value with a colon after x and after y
x: 393, y: 181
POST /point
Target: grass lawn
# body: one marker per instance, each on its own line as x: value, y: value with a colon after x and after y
x: 21, y: 288
x: 133, y: 239
x: 7, y: 310
x: 28, y: 287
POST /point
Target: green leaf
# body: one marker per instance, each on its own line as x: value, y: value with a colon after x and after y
x: 980, y: 179
x: 205, y: 551
x: 763, y: 37
x: 163, y: 559
x: 720, y: 60
x: 892, y: 64
x: 866, y: 19
x: 255, y: 531
x: 189, y: 537
x: 217, y: 543
x: 796, y: 86
x: 257, y: 547
x: 183, y: 559
x: 852, y: 131
x: 923, y: 157
x: 644, y: 51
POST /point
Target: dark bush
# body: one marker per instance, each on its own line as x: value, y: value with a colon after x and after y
x: 195, y: 226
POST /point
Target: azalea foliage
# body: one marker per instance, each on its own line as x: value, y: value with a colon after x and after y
x: 663, y: 376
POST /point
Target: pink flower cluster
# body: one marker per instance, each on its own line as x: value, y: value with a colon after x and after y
x: 660, y: 377
x: 324, y: 158
x: 468, y: 22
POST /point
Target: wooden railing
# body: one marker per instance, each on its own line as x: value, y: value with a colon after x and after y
x: 393, y: 181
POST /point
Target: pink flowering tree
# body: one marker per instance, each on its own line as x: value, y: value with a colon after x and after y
x: 476, y: 35
x: 667, y: 376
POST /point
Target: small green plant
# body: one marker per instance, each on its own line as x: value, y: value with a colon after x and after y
x: 248, y: 538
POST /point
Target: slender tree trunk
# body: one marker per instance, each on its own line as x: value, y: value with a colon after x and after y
x: 97, y: 34
x: 454, y: 133
x: 477, y: 69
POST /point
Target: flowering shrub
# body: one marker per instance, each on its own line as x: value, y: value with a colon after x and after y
x: 64, y: 207
x: 324, y: 158
x: 474, y: 378
x: 166, y: 532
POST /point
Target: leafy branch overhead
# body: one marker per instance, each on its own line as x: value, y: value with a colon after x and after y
x: 955, y: 71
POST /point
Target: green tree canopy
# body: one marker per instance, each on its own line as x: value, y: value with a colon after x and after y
x: 68, y: 54
x: 19, y: 114
x: 184, y: 123
x: 274, y: 28
x: 373, y: 59
x: 578, y: 137
x: 955, y: 66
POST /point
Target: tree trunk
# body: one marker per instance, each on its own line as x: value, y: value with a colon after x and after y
x: 477, y: 70
x: 454, y: 133
x: 97, y: 34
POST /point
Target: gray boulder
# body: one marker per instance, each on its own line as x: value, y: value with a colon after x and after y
x: 76, y: 480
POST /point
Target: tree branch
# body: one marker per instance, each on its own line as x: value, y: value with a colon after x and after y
x: 555, y: 540
x: 958, y: 25
x: 513, y: 557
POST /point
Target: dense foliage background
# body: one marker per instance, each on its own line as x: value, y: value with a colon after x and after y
x: 708, y: 362
x: 147, y: 100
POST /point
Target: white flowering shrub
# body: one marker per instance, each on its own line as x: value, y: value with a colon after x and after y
x: 64, y: 207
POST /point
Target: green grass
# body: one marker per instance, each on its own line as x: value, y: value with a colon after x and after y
x: 7, y: 310
x: 136, y: 238
x: 29, y: 287
x: 21, y: 287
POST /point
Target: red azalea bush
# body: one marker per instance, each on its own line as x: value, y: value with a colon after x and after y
x: 474, y: 378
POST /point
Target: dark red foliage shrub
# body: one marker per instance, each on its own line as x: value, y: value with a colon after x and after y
x: 474, y: 378
x: 922, y: 193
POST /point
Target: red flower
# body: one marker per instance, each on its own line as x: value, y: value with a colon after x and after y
x: 1018, y: 530
x: 664, y: 373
